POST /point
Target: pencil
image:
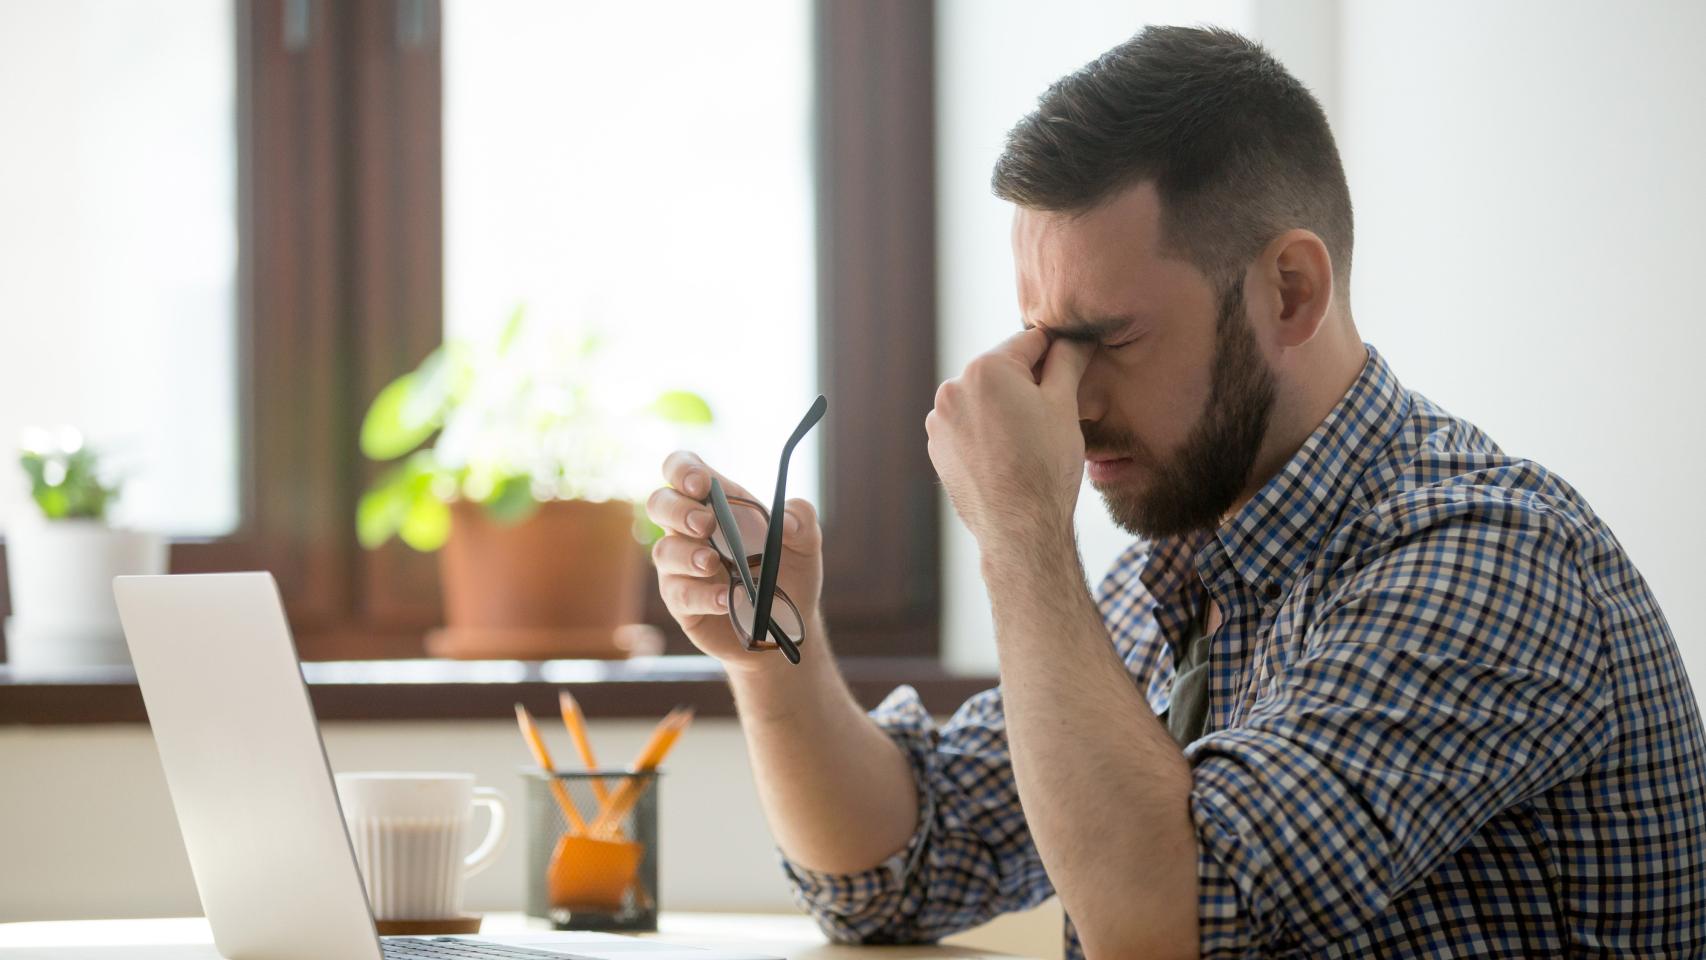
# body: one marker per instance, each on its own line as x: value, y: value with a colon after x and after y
x: 536, y: 744
x: 663, y: 738
x: 576, y: 722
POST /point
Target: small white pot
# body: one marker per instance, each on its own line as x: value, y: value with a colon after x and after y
x: 61, y: 574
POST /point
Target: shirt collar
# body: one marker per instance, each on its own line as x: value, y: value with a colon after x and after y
x: 1271, y: 538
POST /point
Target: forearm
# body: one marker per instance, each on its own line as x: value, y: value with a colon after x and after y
x: 1106, y: 790
x: 838, y: 792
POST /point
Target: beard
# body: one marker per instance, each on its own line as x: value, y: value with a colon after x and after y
x: 1194, y: 489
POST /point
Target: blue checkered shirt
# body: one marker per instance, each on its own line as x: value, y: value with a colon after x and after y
x: 1446, y: 719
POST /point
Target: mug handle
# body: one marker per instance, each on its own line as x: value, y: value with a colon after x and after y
x: 496, y: 833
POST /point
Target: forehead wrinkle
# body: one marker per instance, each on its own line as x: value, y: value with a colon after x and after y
x: 1054, y: 260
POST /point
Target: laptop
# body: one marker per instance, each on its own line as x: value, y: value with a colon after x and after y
x: 254, y: 794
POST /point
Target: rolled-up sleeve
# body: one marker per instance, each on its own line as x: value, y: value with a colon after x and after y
x: 1448, y: 674
x: 971, y: 856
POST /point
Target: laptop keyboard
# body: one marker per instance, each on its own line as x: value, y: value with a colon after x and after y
x: 442, y: 948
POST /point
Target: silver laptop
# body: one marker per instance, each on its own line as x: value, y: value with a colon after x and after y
x: 254, y: 793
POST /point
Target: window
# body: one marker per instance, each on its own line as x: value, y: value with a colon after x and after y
x: 394, y: 173
x: 644, y: 169
x: 118, y: 249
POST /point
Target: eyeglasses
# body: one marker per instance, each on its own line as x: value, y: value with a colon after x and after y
x: 741, y: 521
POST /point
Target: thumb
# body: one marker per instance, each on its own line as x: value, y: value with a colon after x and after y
x: 1064, y: 366
x: 800, y: 530
x: 1027, y: 346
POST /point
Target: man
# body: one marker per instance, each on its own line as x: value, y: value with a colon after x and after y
x: 1367, y: 686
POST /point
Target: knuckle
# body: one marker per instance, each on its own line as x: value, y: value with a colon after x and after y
x: 678, y: 465
x: 654, y: 503
x: 676, y: 594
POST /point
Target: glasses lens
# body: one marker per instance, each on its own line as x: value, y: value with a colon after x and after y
x: 782, y: 613
x: 753, y: 525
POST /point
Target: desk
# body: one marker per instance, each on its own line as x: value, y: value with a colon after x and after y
x: 796, y: 938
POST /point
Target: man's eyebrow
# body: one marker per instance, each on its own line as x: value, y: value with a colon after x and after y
x: 1090, y: 329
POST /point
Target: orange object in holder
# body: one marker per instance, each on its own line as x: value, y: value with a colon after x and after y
x: 582, y: 879
x: 587, y: 873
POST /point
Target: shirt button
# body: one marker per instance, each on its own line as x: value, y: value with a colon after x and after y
x: 1271, y: 592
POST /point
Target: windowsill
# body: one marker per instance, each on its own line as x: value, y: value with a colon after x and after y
x: 644, y: 687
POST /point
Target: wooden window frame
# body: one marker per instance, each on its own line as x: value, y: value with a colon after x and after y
x: 340, y: 198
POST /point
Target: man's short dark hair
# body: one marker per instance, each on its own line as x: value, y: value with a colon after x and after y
x: 1238, y: 149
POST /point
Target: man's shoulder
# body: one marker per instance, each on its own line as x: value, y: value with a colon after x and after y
x: 1440, y: 469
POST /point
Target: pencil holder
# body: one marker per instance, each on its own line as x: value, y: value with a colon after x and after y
x: 601, y: 878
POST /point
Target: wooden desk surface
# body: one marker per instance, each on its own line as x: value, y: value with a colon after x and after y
x: 796, y: 938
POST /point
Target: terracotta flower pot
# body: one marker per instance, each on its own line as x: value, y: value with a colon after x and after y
x: 564, y: 583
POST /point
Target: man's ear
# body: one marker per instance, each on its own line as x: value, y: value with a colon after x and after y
x: 1289, y: 288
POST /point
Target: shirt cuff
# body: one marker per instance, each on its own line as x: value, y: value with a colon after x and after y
x: 863, y: 906
x: 1223, y: 920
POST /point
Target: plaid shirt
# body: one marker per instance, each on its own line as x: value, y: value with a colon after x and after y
x: 1446, y: 719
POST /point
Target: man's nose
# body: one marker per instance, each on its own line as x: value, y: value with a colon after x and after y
x: 1092, y: 392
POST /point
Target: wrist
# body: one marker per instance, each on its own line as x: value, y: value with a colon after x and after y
x: 773, y: 691
x: 1025, y: 555
x: 761, y: 667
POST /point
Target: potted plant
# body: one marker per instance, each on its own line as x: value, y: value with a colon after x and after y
x: 61, y: 560
x: 527, y: 489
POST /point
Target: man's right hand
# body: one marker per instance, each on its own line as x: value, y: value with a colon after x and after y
x: 695, y: 584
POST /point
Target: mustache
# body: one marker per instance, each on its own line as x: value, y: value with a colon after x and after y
x: 1099, y: 438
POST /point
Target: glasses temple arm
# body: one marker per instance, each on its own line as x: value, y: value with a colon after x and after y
x: 773, y: 536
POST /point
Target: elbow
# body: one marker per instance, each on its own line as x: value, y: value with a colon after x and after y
x: 1151, y: 938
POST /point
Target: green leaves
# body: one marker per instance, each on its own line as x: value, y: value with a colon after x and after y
x: 402, y: 503
x: 512, y: 500
x: 66, y: 483
x: 426, y: 525
x: 409, y: 409
x: 682, y: 406
x: 528, y: 413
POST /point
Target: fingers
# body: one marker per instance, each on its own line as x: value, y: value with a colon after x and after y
x: 800, y: 530
x: 678, y: 513
x: 685, y: 557
x: 692, y: 596
x: 684, y: 471
x: 1064, y: 366
x: 1027, y: 347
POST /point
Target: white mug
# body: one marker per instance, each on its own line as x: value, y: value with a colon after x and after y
x: 408, y: 831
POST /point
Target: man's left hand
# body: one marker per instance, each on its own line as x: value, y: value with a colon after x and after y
x: 1006, y: 441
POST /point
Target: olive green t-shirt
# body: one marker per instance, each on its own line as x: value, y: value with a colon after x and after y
x: 1188, y: 711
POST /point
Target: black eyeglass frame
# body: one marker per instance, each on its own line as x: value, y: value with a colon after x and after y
x: 763, y: 595
x: 778, y: 638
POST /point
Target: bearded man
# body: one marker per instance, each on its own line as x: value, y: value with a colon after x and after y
x: 1366, y: 685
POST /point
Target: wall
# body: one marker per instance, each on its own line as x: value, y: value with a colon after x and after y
x: 88, y: 828
x: 1527, y: 179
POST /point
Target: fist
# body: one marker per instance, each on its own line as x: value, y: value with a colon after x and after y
x: 1005, y: 440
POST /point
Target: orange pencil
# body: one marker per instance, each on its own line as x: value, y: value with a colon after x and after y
x: 576, y: 722
x: 668, y: 731
x: 536, y: 743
